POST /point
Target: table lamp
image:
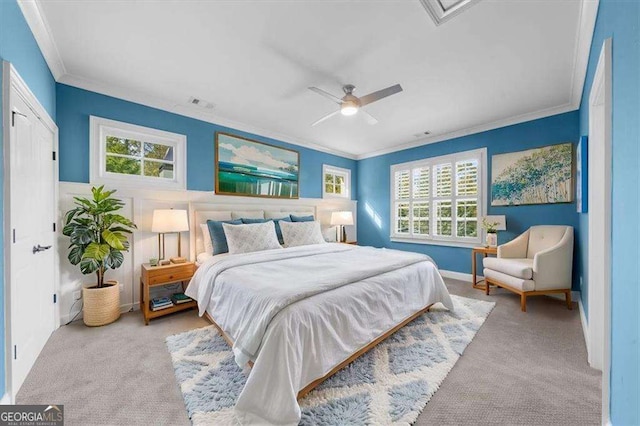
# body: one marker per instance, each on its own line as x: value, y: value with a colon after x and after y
x: 341, y: 219
x: 166, y: 221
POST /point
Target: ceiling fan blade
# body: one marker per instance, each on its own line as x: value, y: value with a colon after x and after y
x: 368, y: 117
x: 326, y: 95
x: 326, y: 117
x: 376, y: 96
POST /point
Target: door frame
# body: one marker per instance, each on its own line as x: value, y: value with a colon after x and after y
x: 599, y: 298
x: 11, y: 79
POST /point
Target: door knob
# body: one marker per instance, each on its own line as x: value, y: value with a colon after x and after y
x: 39, y: 248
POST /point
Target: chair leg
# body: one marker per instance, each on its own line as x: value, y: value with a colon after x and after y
x: 486, y: 287
x: 567, y: 295
x: 523, y: 302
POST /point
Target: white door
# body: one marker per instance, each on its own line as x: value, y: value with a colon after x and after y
x: 599, y: 268
x: 32, y: 253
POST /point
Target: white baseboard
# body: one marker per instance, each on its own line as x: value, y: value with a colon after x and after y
x: 65, y: 318
x: 460, y: 276
x: 585, y: 325
x: 6, y: 399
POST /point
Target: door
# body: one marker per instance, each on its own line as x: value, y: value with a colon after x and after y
x: 599, y: 268
x: 31, y: 214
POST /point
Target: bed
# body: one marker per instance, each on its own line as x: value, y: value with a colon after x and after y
x: 294, y: 316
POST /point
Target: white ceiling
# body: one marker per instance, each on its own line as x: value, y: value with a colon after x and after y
x: 498, y: 62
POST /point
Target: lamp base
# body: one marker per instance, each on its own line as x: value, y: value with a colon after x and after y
x: 178, y: 260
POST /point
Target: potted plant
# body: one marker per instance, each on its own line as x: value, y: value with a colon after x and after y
x: 98, y: 237
x: 492, y: 232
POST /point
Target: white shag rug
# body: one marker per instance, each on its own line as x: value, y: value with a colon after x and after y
x: 391, y: 384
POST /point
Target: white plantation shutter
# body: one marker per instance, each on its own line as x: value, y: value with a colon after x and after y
x: 439, y: 199
x: 467, y: 177
x: 403, y: 188
x: 444, y: 180
x: 421, y: 182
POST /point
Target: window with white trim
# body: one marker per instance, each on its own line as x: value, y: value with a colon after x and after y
x: 439, y: 200
x: 128, y: 155
x: 336, y: 182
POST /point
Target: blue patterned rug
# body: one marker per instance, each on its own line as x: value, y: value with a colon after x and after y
x: 390, y: 384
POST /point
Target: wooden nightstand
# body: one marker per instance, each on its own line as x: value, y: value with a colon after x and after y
x: 485, y: 251
x: 151, y: 276
x: 353, y: 243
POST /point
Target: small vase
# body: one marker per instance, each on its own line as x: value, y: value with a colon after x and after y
x: 492, y: 239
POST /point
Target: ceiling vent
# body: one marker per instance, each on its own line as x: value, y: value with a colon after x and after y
x: 443, y: 10
x: 200, y: 103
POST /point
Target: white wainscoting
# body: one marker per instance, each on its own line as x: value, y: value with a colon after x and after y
x: 139, y: 206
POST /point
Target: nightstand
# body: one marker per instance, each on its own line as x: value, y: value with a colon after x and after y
x: 353, y: 243
x: 485, y: 251
x: 151, y: 276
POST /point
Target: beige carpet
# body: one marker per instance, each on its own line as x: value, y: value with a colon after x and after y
x: 520, y: 369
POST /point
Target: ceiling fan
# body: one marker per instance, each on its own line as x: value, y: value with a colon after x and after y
x: 351, y: 104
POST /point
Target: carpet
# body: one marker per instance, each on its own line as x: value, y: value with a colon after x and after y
x: 390, y: 384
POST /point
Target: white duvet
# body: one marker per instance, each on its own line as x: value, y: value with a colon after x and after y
x: 298, y: 312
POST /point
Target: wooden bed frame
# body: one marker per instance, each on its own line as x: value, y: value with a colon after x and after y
x: 344, y: 363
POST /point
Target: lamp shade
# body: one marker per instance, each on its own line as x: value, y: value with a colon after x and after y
x: 342, y: 218
x: 501, y: 221
x: 166, y: 220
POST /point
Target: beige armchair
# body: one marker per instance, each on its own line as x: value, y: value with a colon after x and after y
x: 535, y: 263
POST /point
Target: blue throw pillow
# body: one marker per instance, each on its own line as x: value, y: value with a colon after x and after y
x: 278, y: 230
x: 245, y: 221
x: 218, y: 239
x: 295, y: 218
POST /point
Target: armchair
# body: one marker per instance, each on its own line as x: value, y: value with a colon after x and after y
x: 537, y: 262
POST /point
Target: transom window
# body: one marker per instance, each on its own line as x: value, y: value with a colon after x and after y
x: 439, y: 200
x: 123, y: 153
x: 336, y: 182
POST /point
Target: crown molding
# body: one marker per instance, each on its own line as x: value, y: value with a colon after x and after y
x: 523, y: 118
x: 42, y: 33
x: 159, y: 103
x: 584, y: 37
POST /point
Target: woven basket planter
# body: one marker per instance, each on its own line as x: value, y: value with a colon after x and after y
x: 101, y: 305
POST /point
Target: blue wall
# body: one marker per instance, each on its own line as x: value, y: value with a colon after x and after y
x: 18, y: 46
x: 74, y: 106
x: 373, y: 188
x: 620, y: 20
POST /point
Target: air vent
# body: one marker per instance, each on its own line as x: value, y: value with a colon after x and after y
x: 200, y: 103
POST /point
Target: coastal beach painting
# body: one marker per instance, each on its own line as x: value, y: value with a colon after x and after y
x: 255, y: 169
x: 536, y: 176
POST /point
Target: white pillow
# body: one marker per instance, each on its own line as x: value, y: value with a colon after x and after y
x: 206, y: 238
x: 251, y: 237
x: 301, y: 233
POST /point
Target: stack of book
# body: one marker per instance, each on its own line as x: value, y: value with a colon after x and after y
x: 160, y: 303
x: 179, y: 298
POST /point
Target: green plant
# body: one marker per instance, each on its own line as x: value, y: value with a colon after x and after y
x: 98, y: 235
x: 490, y: 227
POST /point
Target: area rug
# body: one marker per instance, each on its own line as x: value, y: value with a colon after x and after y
x: 390, y: 384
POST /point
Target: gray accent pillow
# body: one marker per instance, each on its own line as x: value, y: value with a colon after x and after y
x: 251, y: 237
x: 301, y: 233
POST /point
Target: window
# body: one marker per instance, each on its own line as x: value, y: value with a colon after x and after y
x: 439, y: 200
x: 336, y: 182
x: 124, y: 154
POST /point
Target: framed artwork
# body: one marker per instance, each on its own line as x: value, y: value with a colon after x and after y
x: 582, y: 174
x: 535, y: 176
x: 255, y: 169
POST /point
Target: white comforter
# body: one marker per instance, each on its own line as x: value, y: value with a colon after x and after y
x: 298, y: 312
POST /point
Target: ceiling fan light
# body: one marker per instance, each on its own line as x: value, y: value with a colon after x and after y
x: 349, y: 108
